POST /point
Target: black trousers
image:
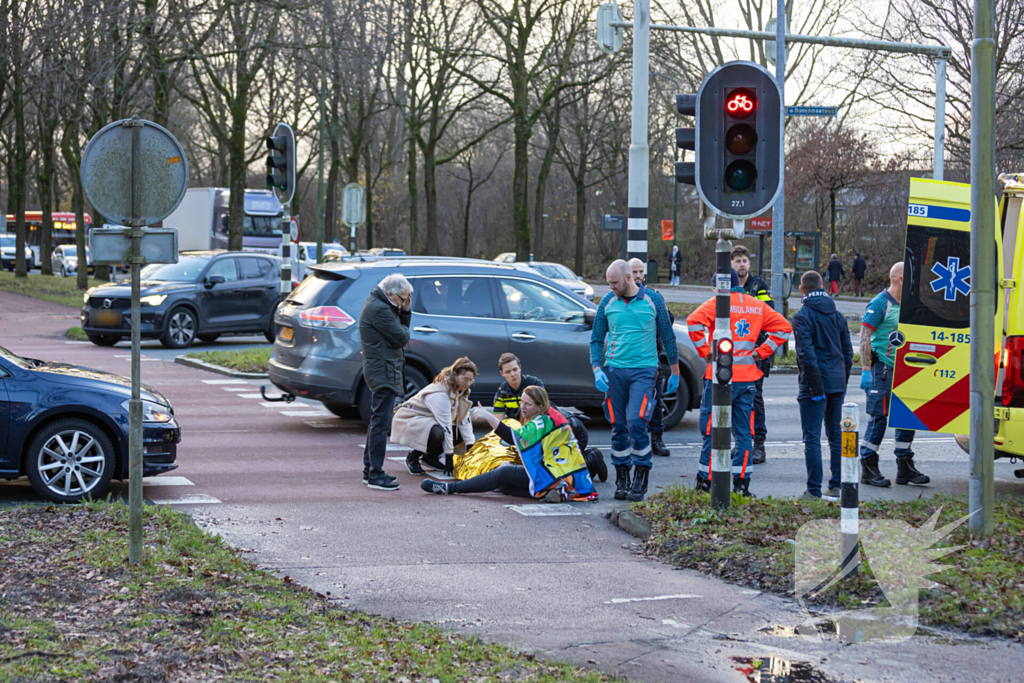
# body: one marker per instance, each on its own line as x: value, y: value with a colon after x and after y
x: 435, y: 441
x: 511, y: 480
x: 382, y: 410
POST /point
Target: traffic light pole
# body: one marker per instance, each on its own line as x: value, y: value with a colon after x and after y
x: 721, y: 392
x: 639, y: 152
x: 286, y: 252
x: 779, y: 210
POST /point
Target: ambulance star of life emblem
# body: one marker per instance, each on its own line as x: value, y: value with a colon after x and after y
x: 951, y: 278
x: 742, y: 327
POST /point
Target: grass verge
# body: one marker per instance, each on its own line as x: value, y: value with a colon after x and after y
x: 59, y: 290
x: 245, y: 360
x: 72, y: 609
x: 76, y: 334
x: 752, y: 543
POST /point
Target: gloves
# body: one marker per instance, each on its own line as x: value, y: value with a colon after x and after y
x: 672, y: 385
x: 600, y: 380
x: 818, y: 398
x: 865, y: 379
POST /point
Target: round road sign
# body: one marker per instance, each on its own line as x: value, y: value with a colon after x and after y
x: 295, y: 229
x: 107, y: 172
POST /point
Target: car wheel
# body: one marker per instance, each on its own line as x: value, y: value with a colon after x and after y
x: 676, y: 405
x: 180, y: 329
x: 69, y: 460
x: 63, y: 273
x: 414, y: 381
x: 349, y: 412
x: 208, y: 337
x: 271, y: 332
x: 103, y: 339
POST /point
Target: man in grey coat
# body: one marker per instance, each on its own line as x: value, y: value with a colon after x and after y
x: 384, y: 332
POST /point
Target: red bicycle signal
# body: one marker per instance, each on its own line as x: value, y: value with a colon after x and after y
x: 741, y: 103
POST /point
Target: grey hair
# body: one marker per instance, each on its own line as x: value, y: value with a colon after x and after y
x: 395, y: 284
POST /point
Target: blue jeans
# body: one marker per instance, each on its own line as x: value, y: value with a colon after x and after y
x: 656, y: 425
x: 742, y: 403
x: 628, y: 404
x: 879, y: 396
x: 811, y: 416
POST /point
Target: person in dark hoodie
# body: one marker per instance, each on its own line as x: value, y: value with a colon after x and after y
x: 824, y: 355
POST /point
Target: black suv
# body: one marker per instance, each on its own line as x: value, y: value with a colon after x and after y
x: 203, y: 295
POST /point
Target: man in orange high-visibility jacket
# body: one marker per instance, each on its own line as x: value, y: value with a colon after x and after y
x: 748, y: 317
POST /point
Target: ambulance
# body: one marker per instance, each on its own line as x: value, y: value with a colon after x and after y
x: 931, y: 377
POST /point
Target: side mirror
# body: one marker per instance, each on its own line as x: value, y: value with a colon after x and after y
x: 224, y: 221
x: 212, y: 280
x: 589, y: 316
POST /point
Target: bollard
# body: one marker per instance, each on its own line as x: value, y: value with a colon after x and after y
x: 849, y: 496
x: 721, y: 383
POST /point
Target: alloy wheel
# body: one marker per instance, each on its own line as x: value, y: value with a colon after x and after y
x: 71, y: 463
x: 182, y: 328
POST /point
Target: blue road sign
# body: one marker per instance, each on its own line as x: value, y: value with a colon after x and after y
x: 812, y: 111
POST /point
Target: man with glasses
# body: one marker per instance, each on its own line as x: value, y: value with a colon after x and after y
x: 384, y: 332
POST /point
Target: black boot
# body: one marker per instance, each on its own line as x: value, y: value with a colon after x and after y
x: 639, y: 488
x: 742, y: 487
x: 870, y: 474
x: 906, y: 473
x: 595, y: 463
x: 658, y: 446
x: 622, y: 482
x: 702, y: 483
x: 757, y: 454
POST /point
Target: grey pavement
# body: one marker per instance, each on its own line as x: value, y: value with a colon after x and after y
x: 282, y: 482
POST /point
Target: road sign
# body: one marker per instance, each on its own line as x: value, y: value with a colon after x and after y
x: 107, y: 172
x: 812, y: 111
x: 769, y: 45
x: 760, y: 224
x: 609, y: 38
x: 295, y: 229
x: 111, y: 246
x: 353, y: 205
x: 613, y: 223
x: 667, y: 231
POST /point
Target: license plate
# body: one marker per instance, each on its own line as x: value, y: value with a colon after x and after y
x: 106, y: 318
x: 287, y: 333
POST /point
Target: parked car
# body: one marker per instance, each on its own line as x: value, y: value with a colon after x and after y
x: 66, y: 428
x: 460, y: 307
x: 310, y: 249
x: 64, y: 260
x: 560, y: 274
x: 9, y: 251
x: 203, y: 295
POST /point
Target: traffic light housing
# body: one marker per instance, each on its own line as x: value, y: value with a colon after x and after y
x: 686, y: 138
x: 723, y: 361
x: 738, y: 143
x: 281, y: 163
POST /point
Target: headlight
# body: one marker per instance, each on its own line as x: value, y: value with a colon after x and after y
x: 153, y: 299
x: 589, y: 291
x: 73, y: 262
x: 85, y: 298
x: 152, y: 412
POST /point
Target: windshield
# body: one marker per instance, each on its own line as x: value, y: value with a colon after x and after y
x: 554, y: 271
x: 261, y: 226
x: 7, y: 241
x: 14, y: 358
x: 187, y: 269
x: 72, y: 251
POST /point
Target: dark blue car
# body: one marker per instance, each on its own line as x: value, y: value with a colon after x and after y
x: 66, y: 428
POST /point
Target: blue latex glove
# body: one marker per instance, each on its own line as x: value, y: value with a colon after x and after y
x: 818, y: 398
x: 672, y: 385
x: 600, y: 380
x: 865, y: 379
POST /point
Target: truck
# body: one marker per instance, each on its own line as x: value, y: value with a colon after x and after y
x: 202, y: 220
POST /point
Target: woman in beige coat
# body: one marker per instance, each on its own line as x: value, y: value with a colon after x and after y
x: 437, y: 419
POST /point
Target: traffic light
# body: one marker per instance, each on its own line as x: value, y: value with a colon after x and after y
x: 281, y: 163
x: 738, y: 144
x: 686, y: 138
x: 723, y: 373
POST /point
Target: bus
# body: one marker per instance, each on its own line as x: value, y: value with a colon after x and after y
x: 63, y: 229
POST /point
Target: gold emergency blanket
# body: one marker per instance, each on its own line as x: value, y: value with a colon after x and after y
x: 486, y: 454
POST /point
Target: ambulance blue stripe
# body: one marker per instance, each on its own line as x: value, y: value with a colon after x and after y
x: 941, y: 213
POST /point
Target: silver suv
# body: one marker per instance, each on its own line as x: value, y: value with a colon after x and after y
x: 461, y: 307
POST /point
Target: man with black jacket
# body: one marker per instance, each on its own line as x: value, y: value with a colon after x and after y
x: 859, y: 266
x: 757, y: 288
x: 825, y: 355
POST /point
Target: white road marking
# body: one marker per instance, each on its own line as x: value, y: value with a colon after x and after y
x: 224, y: 381
x: 391, y: 447
x: 195, y: 499
x: 306, y: 413
x: 674, y: 624
x: 545, y: 510
x: 235, y: 388
x: 167, y: 481
x: 78, y: 342
x: 682, y: 596
x: 323, y: 425
x: 249, y: 395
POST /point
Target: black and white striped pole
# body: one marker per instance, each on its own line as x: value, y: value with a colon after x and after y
x: 286, y: 252
x: 721, y: 387
x: 849, y: 493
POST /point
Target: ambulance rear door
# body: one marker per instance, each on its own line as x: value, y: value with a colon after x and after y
x: 931, y: 378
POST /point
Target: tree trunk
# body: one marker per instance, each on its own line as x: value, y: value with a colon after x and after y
x: 554, y: 130
x: 581, y: 208
x: 465, y: 216
x: 431, y: 248
x: 20, y: 189
x: 44, y: 178
x: 520, y: 190
x: 72, y: 153
x: 414, y: 203
x: 238, y: 171
x: 369, y: 198
x: 832, y: 200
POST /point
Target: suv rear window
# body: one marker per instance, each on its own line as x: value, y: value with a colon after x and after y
x: 320, y: 291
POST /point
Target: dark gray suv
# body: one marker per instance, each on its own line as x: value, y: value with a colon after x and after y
x: 461, y: 307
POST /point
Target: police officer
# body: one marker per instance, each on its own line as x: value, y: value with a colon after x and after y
x: 757, y: 288
x: 748, y: 318
x: 877, y: 357
x: 656, y: 425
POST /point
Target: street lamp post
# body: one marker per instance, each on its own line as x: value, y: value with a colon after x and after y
x: 675, y: 157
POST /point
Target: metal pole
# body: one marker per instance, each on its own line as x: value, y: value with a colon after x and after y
x: 983, y: 275
x: 135, y: 548
x: 779, y: 210
x: 639, y: 152
x: 849, y: 493
x: 675, y: 203
x: 721, y: 392
x: 286, y: 251
x: 323, y: 133
x: 940, y: 118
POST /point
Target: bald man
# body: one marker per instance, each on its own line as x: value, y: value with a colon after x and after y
x: 656, y: 425
x: 624, y: 355
x: 877, y: 357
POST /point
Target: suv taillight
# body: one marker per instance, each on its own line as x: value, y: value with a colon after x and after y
x: 326, y: 317
x: 1013, y: 365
